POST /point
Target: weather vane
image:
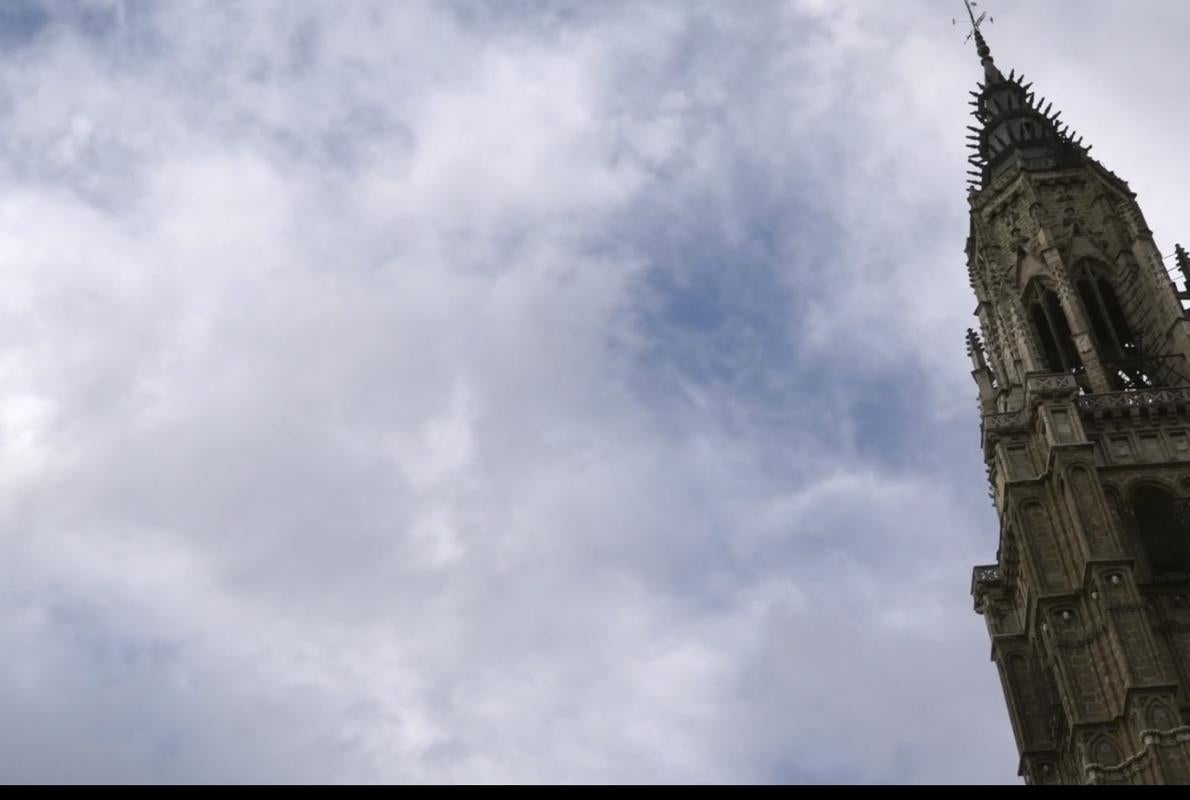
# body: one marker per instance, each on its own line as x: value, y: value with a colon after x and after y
x: 976, y: 22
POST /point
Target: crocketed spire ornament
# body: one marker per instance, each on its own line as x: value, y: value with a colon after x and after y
x: 1013, y: 122
x: 1183, y: 262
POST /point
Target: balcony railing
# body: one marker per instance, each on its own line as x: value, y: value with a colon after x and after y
x: 1128, y: 400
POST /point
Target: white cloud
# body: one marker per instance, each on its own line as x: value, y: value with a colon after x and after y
x: 413, y: 392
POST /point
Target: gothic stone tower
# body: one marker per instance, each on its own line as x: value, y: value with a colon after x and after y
x: 1086, y: 434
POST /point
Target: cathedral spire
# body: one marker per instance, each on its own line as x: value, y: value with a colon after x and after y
x: 990, y: 71
x: 1016, y: 129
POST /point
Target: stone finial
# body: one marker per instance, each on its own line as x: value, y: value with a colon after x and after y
x: 1183, y: 262
x: 975, y: 350
x: 982, y: 373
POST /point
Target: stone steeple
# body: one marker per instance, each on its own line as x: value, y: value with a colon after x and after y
x: 1014, y: 127
x: 1081, y: 369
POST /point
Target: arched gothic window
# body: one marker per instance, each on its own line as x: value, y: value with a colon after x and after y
x: 1052, y: 330
x: 1162, y: 530
x: 1106, y: 753
x: 1160, y: 718
x: 1114, y: 341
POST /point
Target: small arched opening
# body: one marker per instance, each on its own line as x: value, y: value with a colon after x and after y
x: 1115, y: 342
x: 1161, y: 530
x: 1052, y: 330
x: 1105, y: 753
x: 1159, y: 717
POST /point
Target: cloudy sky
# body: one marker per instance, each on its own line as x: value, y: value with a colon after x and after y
x: 511, y: 391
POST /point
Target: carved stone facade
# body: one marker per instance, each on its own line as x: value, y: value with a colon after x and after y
x: 1086, y: 436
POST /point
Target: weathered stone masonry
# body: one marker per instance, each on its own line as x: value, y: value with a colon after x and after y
x: 1085, y: 406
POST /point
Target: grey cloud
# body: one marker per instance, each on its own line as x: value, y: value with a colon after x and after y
x: 491, y: 392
